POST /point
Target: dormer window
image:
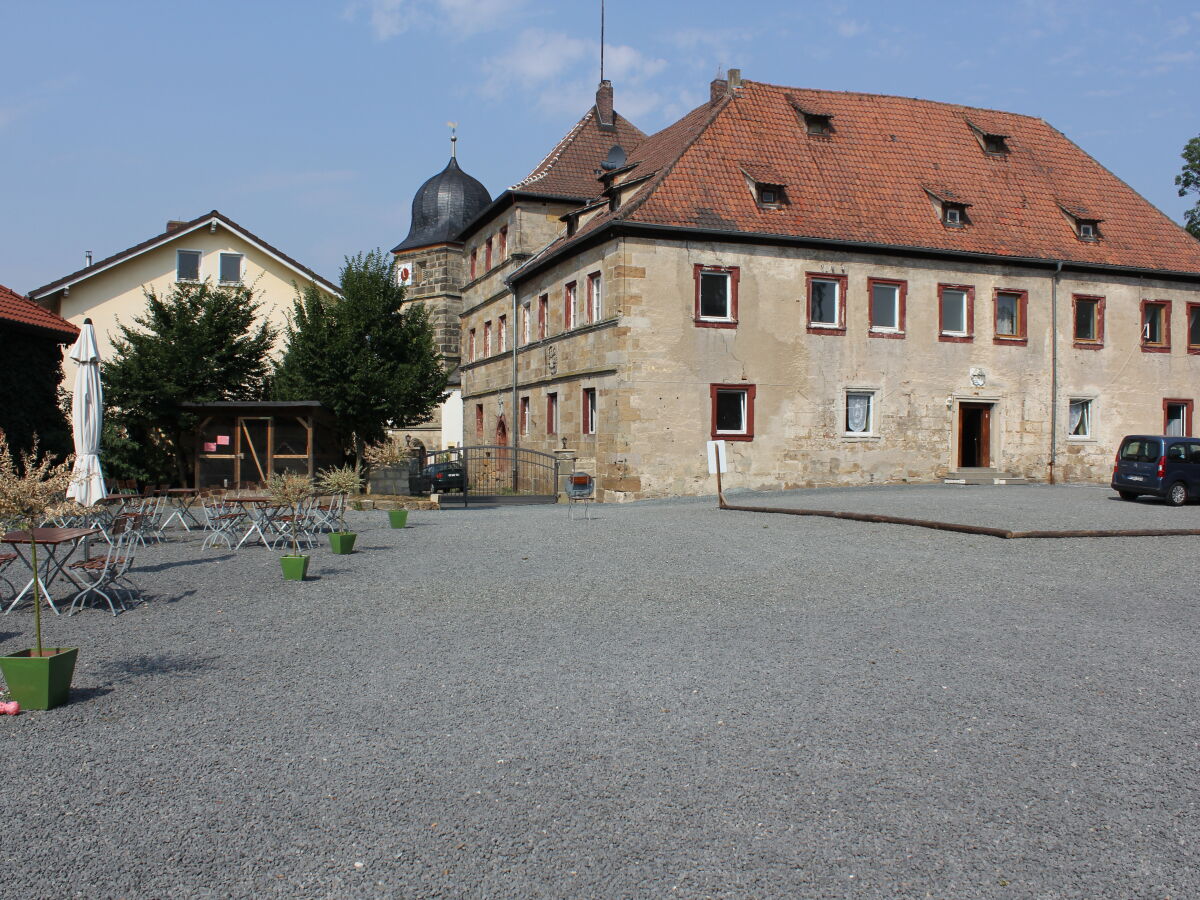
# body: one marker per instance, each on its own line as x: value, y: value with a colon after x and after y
x: 815, y: 123
x: 1088, y: 229
x: 995, y: 143
x: 770, y: 196
x: 954, y: 215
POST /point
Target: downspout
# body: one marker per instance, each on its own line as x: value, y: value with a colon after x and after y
x: 516, y: 409
x: 1054, y: 367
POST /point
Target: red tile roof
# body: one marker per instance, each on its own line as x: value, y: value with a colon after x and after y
x: 569, y: 170
x: 871, y: 181
x: 25, y: 313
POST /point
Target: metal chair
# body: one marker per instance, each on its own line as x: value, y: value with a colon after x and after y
x: 581, y: 488
x: 101, y: 574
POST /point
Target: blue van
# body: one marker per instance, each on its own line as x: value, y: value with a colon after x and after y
x: 1166, y: 466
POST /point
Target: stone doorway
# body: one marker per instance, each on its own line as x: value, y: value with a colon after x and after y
x: 975, y: 435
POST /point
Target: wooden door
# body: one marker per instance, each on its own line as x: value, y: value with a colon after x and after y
x: 975, y: 435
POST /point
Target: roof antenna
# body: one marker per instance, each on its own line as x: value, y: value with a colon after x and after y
x: 453, y: 126
x: 601, y: 40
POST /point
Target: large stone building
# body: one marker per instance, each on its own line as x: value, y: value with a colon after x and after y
x: 848, y: 288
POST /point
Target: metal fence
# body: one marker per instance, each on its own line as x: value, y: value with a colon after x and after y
x: 496, y: 474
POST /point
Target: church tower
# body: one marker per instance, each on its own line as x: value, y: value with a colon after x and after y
x: 430, y: 263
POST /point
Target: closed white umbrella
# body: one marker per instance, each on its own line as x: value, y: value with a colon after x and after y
x: 87, y: 412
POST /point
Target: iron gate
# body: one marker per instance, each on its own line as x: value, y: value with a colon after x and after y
x: 497, y: 474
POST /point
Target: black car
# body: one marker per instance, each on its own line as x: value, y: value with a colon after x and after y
x: 1166, y: 466
x: 440, y: 478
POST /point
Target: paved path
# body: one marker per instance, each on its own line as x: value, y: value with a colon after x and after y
x: 668, y: 700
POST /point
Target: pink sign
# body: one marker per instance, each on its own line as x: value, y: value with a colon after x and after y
x: 210, y: 448
x: 223, y: 440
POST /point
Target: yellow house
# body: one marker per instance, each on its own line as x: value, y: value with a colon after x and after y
x: 211, y: 247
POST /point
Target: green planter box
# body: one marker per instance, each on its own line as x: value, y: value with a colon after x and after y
x: 342, y: 541
x: 294, y: 567
x: 398, y: 517
x: 40, y: 682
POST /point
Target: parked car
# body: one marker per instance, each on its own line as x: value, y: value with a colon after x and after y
x: 1164, y: 466
x: 440, y: 478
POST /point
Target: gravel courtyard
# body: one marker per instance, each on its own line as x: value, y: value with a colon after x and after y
x: 666, y: 700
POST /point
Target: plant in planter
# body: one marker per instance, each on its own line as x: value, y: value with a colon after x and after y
x: 341, y: 482
x: 387, y: 463
x: 291, y: 489
x: 40, y: 677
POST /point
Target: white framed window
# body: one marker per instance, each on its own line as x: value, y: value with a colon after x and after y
x: 954, y: 312
x: 187, y: 265
x: 589, y: 411
x: 1079, y: 418
x: 732, y: 411
x: 487, y: 339
x: 716, y: 296
x: 570, y: 306
x: 231, y: 268
x: 887, y: 306
x: 595, y: 297
x: 526, y: 313
x: 825, y: 299
x: 502, y: 333
x: 859, y: 420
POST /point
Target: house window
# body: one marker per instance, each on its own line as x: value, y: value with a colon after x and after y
x: 474, y: 262
x: 1079, y: 421
x: 526, y: 315
x: 1010, y: 315
x: 1177, y: 418
x: 487, y: 339
x: 523, y: 418
x: 1156, y: 326
x: 956, y: 312
x: 487, y: 255
x: 954, y: 215
x: 1089, y: 322
x: 187, y: 265
x: 815, y: 123
x: 552, y: 413
x: 589, y: 411
x: 594, y: 297
x: 995, y: 143
x: 860, y: 413
x: 887, y: 307
x: 502, y: 334
x: 503, y: 247
x: 471, y: 354
x: 479, y: 419
x: 716, y: 296
x: 1087, y: 229
x: 1193, y: 316
x: 569, y: 310
x: 231, y: 268
x: 826, y: 303
x: 732, y: 411
x: 543, y: 314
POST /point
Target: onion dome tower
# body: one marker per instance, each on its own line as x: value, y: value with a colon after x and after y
x: 443, y: 206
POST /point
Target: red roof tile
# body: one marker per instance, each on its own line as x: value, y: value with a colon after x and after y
x: 24, y: 312
x: 569, y: 170
x: 871, y: 181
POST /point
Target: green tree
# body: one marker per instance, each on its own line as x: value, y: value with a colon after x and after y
x: 368, y: 357
x: 197, y: 344
x: 31, y: 371
x: 1188, y: 182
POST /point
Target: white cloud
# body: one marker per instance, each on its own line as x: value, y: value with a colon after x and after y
x: 849, y: 28
x: 389, y: 18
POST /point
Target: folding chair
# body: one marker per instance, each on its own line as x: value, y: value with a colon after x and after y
x: 221, y: 519
x: 6, y: 559
x: 101, y: 574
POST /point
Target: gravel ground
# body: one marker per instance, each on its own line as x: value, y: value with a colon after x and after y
x: 667, y: 699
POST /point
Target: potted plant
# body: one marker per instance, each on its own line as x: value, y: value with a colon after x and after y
x: 342, y: 481
x: 291, y: 489
x: 40, y: 677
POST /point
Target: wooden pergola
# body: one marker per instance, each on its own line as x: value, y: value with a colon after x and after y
x: 241, y: 443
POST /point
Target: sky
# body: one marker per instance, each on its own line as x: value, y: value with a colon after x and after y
x: 313, y: 122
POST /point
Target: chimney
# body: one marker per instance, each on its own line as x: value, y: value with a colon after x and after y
x: 174, y: 225
x: 735, y: 79
x: 604, y: 103
x: 717, y: 89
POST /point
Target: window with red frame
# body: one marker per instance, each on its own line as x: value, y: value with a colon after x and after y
x: 1009, y: 319
x: 474, y: 262
x: 552, y: 413
x: 732, y: 411
x: 887, y: 300
x: 589, y: 411
x: 1089, y: 322
x: 471, y: 345
x: 1177, y: 417
x: 479, y: 419
x: 1193, y: 326
x: 503, y: 248
x: 1156, y: 326
x: 543, y: 314
x: 526, y: 315
x: 595, y: 297
x: 570, y: 300
x: 523, y: 418
x: 826, y: 303
x: 716, y: 296
x: 487, y: 339
x: 956, y: 312
x: 487, y: 255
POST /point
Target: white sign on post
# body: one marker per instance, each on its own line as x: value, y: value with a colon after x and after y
x: 716, y: 457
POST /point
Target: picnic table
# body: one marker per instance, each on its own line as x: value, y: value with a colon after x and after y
x: 60, y: 545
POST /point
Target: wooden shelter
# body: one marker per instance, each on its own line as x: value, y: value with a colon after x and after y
x: 239, y: 443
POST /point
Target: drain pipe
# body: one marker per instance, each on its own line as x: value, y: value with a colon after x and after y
x: 1054, y: 367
